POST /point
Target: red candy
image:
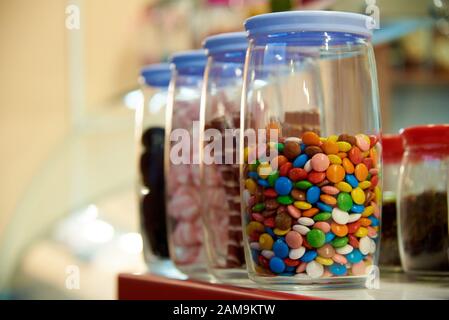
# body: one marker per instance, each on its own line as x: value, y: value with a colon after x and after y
x: 316, y: 177
x: 368, y: 162
x: 269, y: 222
x: 355, y: 155
x: 372, y: 141
x: 297, y: 174
x: 263, y: 261
x: 285, y: 168
x: 353, y: 241
x: 374, y: 181
x: 291, y: 263
x: 353, y: 227
x: 270, y: 193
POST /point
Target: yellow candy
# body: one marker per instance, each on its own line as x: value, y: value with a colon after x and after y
x: 358, y: 195
x: 364, y: 185
x: 245, y: 154
x: 361, y: 232
x: 378, y: 194
x: 251, y: 186
x: 368, y: 211
x: 324, y: 261
x: 280, y: 232
x: 254, y: 226
x: 334, y: 159
x: 264, y: 170
x: 343, y: 186
x: 365, y: 154
x: 344, y: 146
x: 302, y: 205
x: 332, y: 138
x: 323, y: 139
x: 266, y: 241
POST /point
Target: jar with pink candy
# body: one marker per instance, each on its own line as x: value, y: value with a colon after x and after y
x: 184, y: 229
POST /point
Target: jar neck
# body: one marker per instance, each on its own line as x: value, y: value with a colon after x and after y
x: 428, y: 151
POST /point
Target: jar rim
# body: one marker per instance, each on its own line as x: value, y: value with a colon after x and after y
x: 156, y: 75
x: 392, y: 147
x: 310, y: 20
x: 191, y: 62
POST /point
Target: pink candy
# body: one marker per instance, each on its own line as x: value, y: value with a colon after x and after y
x: 323, y: 226
x: 320, y: 162
x: 330, y: 190
x: 293, y: 239
x: 294, y: 212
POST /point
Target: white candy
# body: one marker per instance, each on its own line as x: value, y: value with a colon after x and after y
x: 308, y: 166
x: 267, y: 254
x: 295, y: 254
x: 314, y: 269
x: 303, y: 230
x: 255, y: 245
x: 365, y: 245
x: 306, y: 221
x: 340, y: 216
x: 373, y: 247
x: 295, y: 139
x: 354, y: 217
x: 345, y: 250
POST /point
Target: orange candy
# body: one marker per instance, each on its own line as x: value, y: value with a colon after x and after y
x: 335, y: 173
x: 311, y: 138
x: 340, y: 230
x: 342, y: 155
x: 330, y: 147
x: 278, y: 162
x: 348, y: 166
x: 310, y: 212
x: 328, y: 199
x: 361, y: 172
x: 365, y: 222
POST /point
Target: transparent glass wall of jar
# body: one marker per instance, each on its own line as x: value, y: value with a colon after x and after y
x: 312, y: 199
x: 423, y: 201
x: 185, y: 232
x: 220, y: 183
x: 150, y: 127
x: 392, y: 155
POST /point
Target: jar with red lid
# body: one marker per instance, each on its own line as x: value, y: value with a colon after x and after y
x: 423, y: 201
x: 392, y: 156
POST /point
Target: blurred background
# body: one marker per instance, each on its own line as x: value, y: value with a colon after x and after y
x: 68, y: 91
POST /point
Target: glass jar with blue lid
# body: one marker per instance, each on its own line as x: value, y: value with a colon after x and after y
x: 311, y: 195
x: 150, y: 124
x: 220, y: 183
x: 184, y: 227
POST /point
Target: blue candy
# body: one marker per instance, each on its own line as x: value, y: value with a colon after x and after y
x: 309, y: 256
x: 355, y: 256
x: 352, y: 180
x: 300, y: 161
x: 287, y: 274
x: 357, y: 208
x: 313, y: 194
x: 253, y: 175
x: 329, y: 237
x: 263, y: 183
x: 270, y: 232
x: 254, y: 254
x: 337, y: 269
x: 289, y: 269
x: 374, y: 221
x: 277, y: 265
x: 283, y: 186
x: 303, y: 147
x: 324, y: 207
x: 280, y: 249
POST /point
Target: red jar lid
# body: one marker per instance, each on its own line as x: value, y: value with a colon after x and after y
x: 432, y: 139
x: 392, y: 147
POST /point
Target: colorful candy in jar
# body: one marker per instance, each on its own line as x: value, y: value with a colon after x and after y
x: 314, y: 208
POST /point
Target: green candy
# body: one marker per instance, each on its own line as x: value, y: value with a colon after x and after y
x: 340, y: 242
x: 316, y: 238
x: 253, y: 166
x: 303, y: 185
x: 273, y: 177
x: 322, y: 216
x: 280, y: 147
x: 344, y: 201
x: 259, y: 207
x: 284, y: 200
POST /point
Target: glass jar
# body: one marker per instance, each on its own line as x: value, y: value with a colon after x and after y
x: 423, y: 201
x: 150, y: 124
x: 220, y: 183
x: 185, y: 232
x: 392, y: 156
x: 311, y: 159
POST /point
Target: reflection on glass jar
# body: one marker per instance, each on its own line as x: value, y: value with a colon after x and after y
x: 423, y: 201
x: 311, y: 184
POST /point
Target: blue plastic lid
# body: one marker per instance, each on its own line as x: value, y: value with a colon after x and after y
x: 226, y: 42
x: 156, y: 75
x: 191, y: 62
x: 297, y: 21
